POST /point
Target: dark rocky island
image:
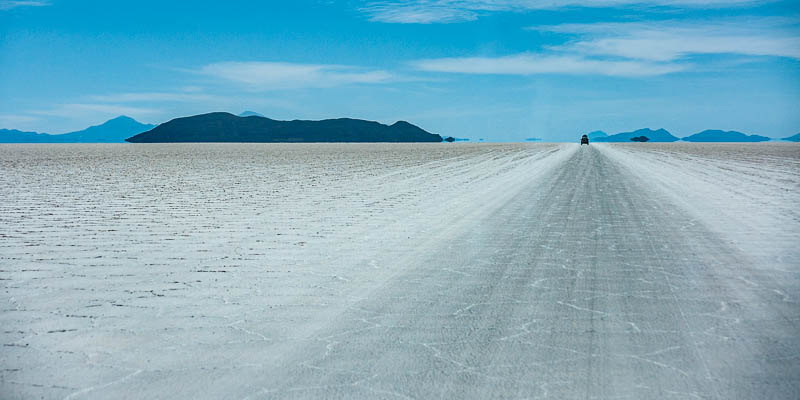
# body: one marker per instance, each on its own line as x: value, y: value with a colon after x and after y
x: 226, y: 127
x: 714, y: 135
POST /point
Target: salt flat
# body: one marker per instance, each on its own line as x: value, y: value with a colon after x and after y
x: 400, y: 271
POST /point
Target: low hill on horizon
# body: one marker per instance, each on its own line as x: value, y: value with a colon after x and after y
x: 226, y: 127
x: 793, y: 138
x: 115, y: 130
x: 716, y: 135
x: 660, y: 135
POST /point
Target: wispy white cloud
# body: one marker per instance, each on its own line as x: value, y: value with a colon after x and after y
x: 260, y: 76
x: 636, y: 49
x: 531, y: 64
x: 9, y: 4
x: 79, y: 110
x: 419, y: 12
x: 672, y: 40
x: 16, y: 121
x: 134, y: 97
x: 448, y: 11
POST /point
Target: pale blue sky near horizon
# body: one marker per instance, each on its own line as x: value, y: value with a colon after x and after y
x: 502, y: 70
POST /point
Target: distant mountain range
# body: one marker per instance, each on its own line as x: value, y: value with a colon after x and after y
x: 226, y: 127
x: 660, y: 135
x: 712, y: 135
x: 250, y: 126
x: 112, y: 131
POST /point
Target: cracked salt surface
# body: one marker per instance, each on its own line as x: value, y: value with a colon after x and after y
x: 400, y: 271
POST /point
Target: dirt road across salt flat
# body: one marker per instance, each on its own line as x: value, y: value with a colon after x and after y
x: 561, y: 274
x: 585, y: 285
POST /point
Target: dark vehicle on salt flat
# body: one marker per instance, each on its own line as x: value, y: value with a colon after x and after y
x: 584, y: 140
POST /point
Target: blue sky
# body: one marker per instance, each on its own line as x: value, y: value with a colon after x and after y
x: 502, y: 70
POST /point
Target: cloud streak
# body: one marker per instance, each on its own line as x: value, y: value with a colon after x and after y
x: 152, y: 97
x: 8, y: 5
x: 673, y: 40
x: 635, y: 49
x: 14, y: 121
x: 73, y: 110
x: 451, y: 11
x: 533, y: 64
x: 263, y: 76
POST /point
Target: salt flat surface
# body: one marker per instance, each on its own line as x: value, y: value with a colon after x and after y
x: 745, y: 193
x: 399, y: 271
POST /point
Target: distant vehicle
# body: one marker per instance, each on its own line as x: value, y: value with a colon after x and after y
x: 584, y: 140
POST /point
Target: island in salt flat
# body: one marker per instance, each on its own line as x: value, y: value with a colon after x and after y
x: 226, y: 127
x: 716, y: 135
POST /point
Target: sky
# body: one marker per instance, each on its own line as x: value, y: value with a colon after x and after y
x: 498, y: 70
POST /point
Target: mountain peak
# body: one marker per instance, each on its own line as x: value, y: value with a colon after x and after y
x: 596, y: 134
x: 114, y: 130
x: 250, y: 114
x: 660, y: 130
x: 121, y: 118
